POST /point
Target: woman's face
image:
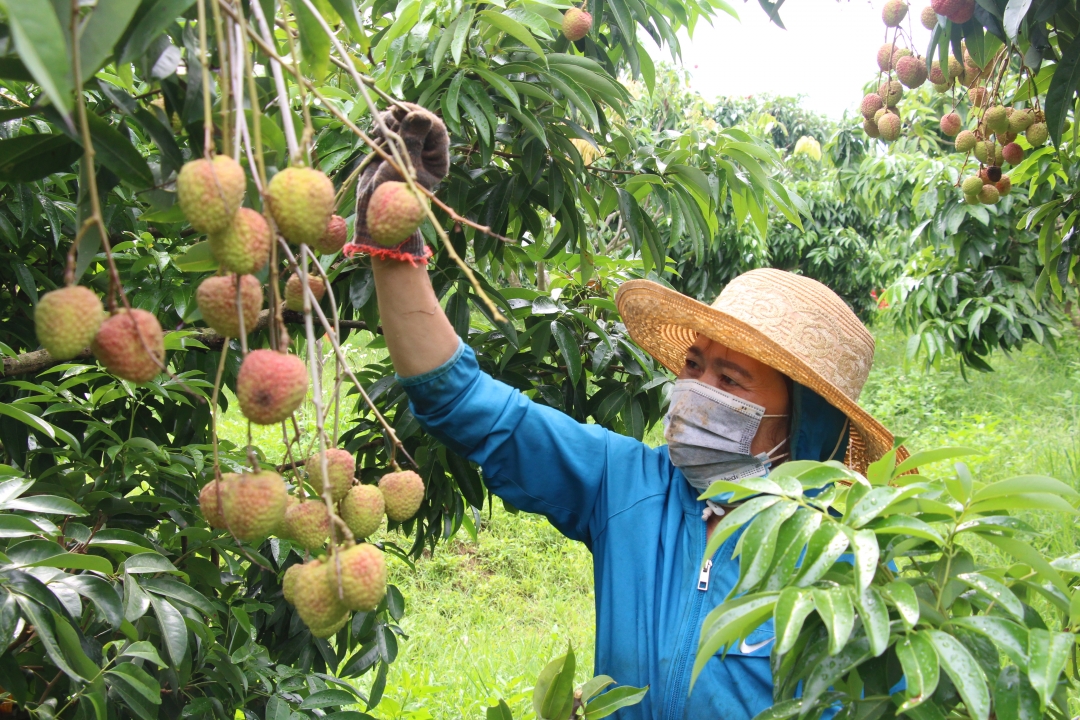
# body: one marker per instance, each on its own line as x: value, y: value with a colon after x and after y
x: 743, y: 376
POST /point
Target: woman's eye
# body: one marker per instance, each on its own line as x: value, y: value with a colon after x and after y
x: 725, y: 380
x: 690, y: 364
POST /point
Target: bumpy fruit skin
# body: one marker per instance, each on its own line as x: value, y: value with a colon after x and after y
x: 936, y: 76
x: 989, y: 195
x: 984, y: 151
x: 254, y: 504
x: 894, y: 13
x: 334, y: 237
x: 870, y: 105
x: 363, y: 577
x: 210, y: 192
x: 67, y: 319
x: 118, y: 348
x: 870, y: 127
x: 294, y: 291
x: 964, y: 12
x: 393, y: 213
x: 316, y: 600
x: 945, y: 7
x: 1021, y: 120
x: 888, y: 55
x: 972, y: 185
x: 289, y: 582
x: 965, y: 141
x: 956, y: 68
x: 1037, y: 134
x: 403, y: 492
x: 891, y: 92
x: 889, y: 127
x: 977, y: 96
x: 576, y: 24
x: 996, y: 119
x: 301, y: 201
x: 911, y: 71
x: 928, y: 17
x: 308, y: 524
x: 1013, y: 153
x: 1004, y: 185
x: 972, y: 200
x: 244, y: 246
x: 940, y: 87
x: 270, y: 386
x: 340, y: 467
x: 950, y: 124
x: 216, y: 298
x: 208, y: 503
x: 362, y: 509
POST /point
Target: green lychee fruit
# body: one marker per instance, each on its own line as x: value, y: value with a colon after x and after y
x: 270, y: 386
x: 294, y: 291
x: 67, y: 319
x: 869, y: 126
x: 972, y: 199
x: 210, y: 192
x: 1004, y: 185
x: 1013, y: 154
x: 950, y: 124
x: 1021, y: 120
x: 340, y: 467
x: 362, y: 509
x: 889, y: 127
x: 936, y: 76
x: 888, y: 55
x: 393, y: 213
x: 941, y: 87
x: 317, y: 600
x: 928, y: 18
x: 403, y: 492
x: 290, y: 580
x: 576, y: 24
x: 996, y: 119
x: 894, y: 13
x: 891, y: 92
x: 308, y: 524
x: 911, y: 71
x: 363, y: 577
x: 984, y: 151
x: 254, y: 504
x: 989, y: 195
x: 956, y: 68
x: 216, y: 298
x: 301, y: 201
x: 122, y: 342
x: 244, y: 246
x: 334, y: 237
x: 1037, y: 134
x: 870, y: 105
x: 965, y: 141
x: 331, y: 629
x: 972, y: 185
x: 210, y: 505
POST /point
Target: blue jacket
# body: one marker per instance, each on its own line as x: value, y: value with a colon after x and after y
x: 640, y: 519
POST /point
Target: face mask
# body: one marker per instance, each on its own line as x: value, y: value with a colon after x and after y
x: 709, y: 432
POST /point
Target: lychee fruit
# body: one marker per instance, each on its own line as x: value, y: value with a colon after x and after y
x: 1004, y: 185
x: 254, y: 504
x: 1021, y: 120
x: 294, y: 291
x: 972, y: 200
x: 216, y: 298
x: 936, y: 76
x: 972, y: 185
x: 1037, y: 134
x: 209, y: 504
x: 945, y: 7
x: 940, y: 87
x: 308, y: 524
x: 889, y: 127
x: 977, y: 96
x: 989, y: 195
x: 118, y: 347
x: 984, y: 151
x: 362, y: 509
x: 996, y: 119
x: 270, y: 386
x: 340, y: 467
x: 317, y: 600
x: 67, y: 319
x: 576, y: 24
x: 891, y: 92
x: 956, y: 68
x: 290, y: 580
x: 403, y: 492
x: 1013, y: 153
x: 363, y: 577
x: 870, y: 105
x: 210, y: 192
x: 928, y: 18
x: 964, y: 12
x: 911, y: 71
x: 244, y: 246
x: 993, y: 173
x: 393, y: 213
x: 893, y: 13
x: 334, y: 237
x: 888, y: 55
x: 301, y: 201
x: 965, y: 141
x: 869, y: 126
x: 950, y: 124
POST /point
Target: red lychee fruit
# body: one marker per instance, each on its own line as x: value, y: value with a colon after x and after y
x: 270, y: 386
x: 210, y: 505
x: 403, y: 492
x: 253, y: 504
x: 928, y: 17
x: 911, y: 71
x: 363, y: 577
x: 308, y: 524
x: 119, y: 348
x: 216, y: 298
x: 964, y: 12
x: 340, y: 468
x: 576, y: 24
x: 294, y: 291
x: 393, y: 213
x: 1013, y: 153
x: 1004, y: 185
x: 894, y: 13
x: 244, y: 246
x: 210, y: 192
x: 334, y: 238
x: 870, y: 105
x: 950, y: 124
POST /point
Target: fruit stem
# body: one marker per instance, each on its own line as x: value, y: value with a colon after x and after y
x: 267, y: 43
x: 204, y: 63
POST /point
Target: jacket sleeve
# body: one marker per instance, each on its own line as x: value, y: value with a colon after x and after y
x: 535, y: 457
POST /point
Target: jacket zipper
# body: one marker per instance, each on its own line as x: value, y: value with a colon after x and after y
x: 675, y: 701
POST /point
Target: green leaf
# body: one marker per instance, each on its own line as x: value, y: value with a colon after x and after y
x: 865, y: 545
x: 15, y: 526
x: 568, y: 346
x: 928, y: 457
x: 613, y: 700
x: 1025, y: 484
x: 875, y: 619
x: 173, y: 629
x: 171, y: 588
x: 837, y: 612
x: 101, y: 32
x: 996, y: 591
x: 347, y: 10
x: 41, y: 618
x: 1010, y: 638
x: 833, y: 667
x: 116, y: 152
x: 920, y: 663
x: 499, y: 712
x: 68, y: 640
x: 877, y: 502
x: 825, y: 546
x: 792, y: 608
x: 137, y: 688
x: 904, y: 599
x: 501, y: 84
x: 196, y: 258
x: 144, y: 650
x: 905, y: 525
x: 790, y: 541
x: 327, y: 698
x: 512, y: 28
x: 1047, y: 654
x: 148, y: 562
x: 728, y: 622
x: 595, y: 686
x: 1014, y: 698
x: 1025, y: 553
x: 76, y: 561
x: 314, y: 42
x: 46, y: 505
x: 28, y: 419
x: 1024, y: 501
x: 734, y: 520
x: 160, y: 15
x: 758, y: 544
x: 965, y: 673
x: 1059, y: 96
x: 26, y: 158
x: 39, y: 41
x: 553, y: 696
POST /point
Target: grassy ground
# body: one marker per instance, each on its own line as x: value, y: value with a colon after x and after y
x: 483, y: 618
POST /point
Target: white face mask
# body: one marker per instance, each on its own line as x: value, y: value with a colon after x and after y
x: 709, y: 432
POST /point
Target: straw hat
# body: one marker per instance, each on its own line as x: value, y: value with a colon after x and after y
x: 789, y: 322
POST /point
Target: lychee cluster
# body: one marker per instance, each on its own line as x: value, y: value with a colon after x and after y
x: 326, y: 591
x: 251, y: 505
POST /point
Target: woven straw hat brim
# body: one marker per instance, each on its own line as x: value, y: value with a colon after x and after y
x: 665, y: 323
